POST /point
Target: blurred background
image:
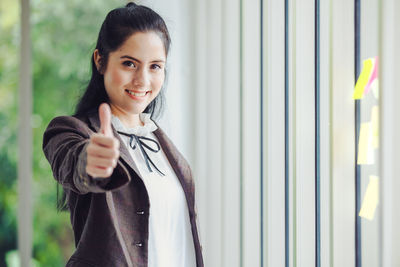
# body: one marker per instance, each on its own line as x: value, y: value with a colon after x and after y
x: 286, y: 111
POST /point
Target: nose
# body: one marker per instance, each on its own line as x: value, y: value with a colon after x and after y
x: 141, y: 78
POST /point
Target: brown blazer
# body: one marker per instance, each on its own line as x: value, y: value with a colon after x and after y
x: 109, y: 216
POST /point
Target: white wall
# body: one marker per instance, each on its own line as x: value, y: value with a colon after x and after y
x: 178, y: 118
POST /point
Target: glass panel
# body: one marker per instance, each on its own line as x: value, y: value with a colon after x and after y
x: 9, y: 59
x: 368, y: 147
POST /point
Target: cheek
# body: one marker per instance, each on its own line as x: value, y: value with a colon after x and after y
x: 158, y: 82
x: 114, y: 79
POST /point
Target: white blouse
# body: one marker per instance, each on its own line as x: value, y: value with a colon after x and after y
x: 170, y: 236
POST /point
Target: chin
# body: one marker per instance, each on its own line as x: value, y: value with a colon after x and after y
x: 136, y: 110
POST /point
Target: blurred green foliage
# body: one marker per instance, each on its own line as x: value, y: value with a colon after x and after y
x: 9, y: 47
x: 63, y: 34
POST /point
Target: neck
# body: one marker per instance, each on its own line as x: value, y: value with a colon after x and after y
x: 128, y: 120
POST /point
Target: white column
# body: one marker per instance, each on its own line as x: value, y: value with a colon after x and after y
x: 230, y: 134
x: 213, y: 112
x: 302, y: 130
x: 274, y: 132
x: 200, y: 120
x: 343, y: 169
x: 251, y: 132
x: 326, y: 95
x: 390, y: 132
x: 208, y: 127
x: 25, y: 222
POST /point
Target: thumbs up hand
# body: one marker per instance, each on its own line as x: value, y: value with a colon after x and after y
x: 103, y: 149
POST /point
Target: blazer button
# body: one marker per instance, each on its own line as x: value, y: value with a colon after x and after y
x: 140, y: 212
x: 139, y: 244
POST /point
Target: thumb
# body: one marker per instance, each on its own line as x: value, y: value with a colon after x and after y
x: 105, y: 119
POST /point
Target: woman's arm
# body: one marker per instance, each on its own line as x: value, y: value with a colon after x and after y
x: 64, y: 145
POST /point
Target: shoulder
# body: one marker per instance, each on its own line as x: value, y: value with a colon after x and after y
x: 64, y: 122
x: 61, y: 121
x: 77, y: 124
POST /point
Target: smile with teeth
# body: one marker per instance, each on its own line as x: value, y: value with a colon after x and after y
x: 135, y: 93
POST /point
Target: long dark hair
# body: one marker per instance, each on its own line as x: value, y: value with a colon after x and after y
x: 118, y: 26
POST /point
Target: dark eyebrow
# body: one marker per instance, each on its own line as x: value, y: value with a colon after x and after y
x: 137, y: 60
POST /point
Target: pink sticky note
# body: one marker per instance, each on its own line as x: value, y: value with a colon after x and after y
x: 373, y: 76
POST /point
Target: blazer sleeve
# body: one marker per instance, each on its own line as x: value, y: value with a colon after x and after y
x: 64, y: 145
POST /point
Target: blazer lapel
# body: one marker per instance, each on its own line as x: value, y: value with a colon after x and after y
x: 124, y: 153
x: 179, y: 165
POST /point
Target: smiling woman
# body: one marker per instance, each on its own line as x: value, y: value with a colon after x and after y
x: 134, y: 75
x: 128, y: 189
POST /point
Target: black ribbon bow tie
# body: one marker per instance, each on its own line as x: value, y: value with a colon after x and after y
x: 142, y: 144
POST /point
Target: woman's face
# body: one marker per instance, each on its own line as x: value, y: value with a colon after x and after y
x: 135, y: 72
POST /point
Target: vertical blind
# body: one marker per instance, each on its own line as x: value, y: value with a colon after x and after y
x: 289, y: 70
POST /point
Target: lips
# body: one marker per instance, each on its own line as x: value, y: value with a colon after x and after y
x: 137, y: 95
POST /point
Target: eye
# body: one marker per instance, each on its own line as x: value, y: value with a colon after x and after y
x: 155, y: 67
x: 129, y: 63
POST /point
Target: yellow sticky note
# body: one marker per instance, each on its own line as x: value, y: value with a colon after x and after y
x: 363, y: 78
x: 375, y: 88
x: 365, y: 148
x: 371, y: 199
x: 375, y: 126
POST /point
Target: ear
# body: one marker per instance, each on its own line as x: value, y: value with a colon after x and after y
x: 97, y: 58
